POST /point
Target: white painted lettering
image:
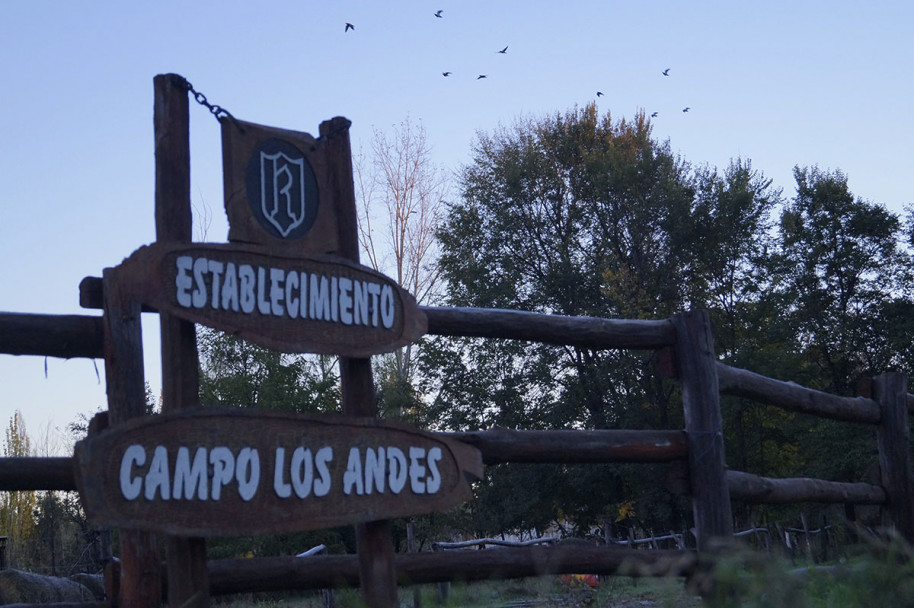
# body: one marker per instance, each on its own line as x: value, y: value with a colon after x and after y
x: 230, y: 289
x: 416, y: 470
x: 216, y: 267
x: 302, y: 471
x: 387, y: 306
x: 247, y: 472
x: 292, y: 299
x: 346, y: 301
x: 183, y: 282
x: 397, y: 470
x: 352, y: 478
x: 319, y: 302
x: 277, y: 276
x: 433, y: 483
x: 374, y: 291
x: 321, y: 459
x: 248, y: 300
x: 375, y: 469
x: 131, y: 487
x: 263, y: 305
x: 157, y: 476
x: 360, y: 303
x: 189, y: 477
x: 223, y: 462
x: 282, y: 489
x: 201, y: 265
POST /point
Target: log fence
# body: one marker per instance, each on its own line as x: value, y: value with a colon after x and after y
x: 685, y: 351
x: 889, y: 406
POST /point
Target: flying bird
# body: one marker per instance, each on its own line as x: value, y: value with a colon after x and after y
x: 480, y: 76
x: 686, y: 109
x: 445, y: 74
x: 666, y: 72
x: 599, y: 93
x: 653, y: 114
x: 504, y: 51
x: 349, y: 26
x: 438, y: 14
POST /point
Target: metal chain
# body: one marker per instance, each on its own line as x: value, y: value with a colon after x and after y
x: 217, y: 111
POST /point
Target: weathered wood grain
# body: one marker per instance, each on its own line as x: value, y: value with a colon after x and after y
x: 696, y: 366
x: 765, y: 490
x: 796, y: 398
x: 893, y: 436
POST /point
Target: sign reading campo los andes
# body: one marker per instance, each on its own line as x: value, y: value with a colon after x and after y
x: 230, y: 472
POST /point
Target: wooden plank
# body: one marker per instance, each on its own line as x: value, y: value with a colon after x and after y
x: 584, y: 332
x: 63, y: 336
x: 290, y: 573
x: 373, y: 539
x: 271, y: 472
x: 572, y: 446
x: 893, y: 436
x: 140, y: 571
x: 765, y: 490
x: 322, y: 304
x: 29, y: 473
x: 697, y: 369
x: 796, y: 398
x: 188, y: 584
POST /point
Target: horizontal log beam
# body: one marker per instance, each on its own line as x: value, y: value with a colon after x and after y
x: 585, y: 332
x: 796, y: 398
x: 291, y: 573
x: 765, y: 490
x: 65, y: 336
x: 569, y: 446
x: 27, y: 473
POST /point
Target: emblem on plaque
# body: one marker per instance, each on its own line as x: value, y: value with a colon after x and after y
x: 281, y: 189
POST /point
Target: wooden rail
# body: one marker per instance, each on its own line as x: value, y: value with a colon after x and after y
x: 765, y: 490
x: 289, y: 573
x: 796, y: 398
x: 63, y: 336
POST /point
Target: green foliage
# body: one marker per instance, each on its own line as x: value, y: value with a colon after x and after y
x: 237, y: 373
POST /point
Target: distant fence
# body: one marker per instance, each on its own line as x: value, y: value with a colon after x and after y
x: 685, y: 340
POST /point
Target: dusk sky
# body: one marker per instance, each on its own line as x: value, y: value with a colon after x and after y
x: 780, y: 83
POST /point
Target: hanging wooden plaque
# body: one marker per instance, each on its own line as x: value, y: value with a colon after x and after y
x: 237, y: 472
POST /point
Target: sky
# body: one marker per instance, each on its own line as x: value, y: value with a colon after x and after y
x: 780, y: 83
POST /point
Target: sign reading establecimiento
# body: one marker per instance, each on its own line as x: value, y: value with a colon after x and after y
x: 320, y: 304
x: 224, y: 472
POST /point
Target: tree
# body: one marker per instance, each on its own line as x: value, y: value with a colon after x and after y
x: 235, y: 372
x: 401, y: 193
x: 577, y: 214
x: 17, y: 508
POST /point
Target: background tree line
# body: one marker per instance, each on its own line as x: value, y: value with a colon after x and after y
x: 576, y: 213
x: 579, y: 214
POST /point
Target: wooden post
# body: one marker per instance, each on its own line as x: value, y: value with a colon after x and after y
x: 697, y: 370
x: 140, y: 566
x: 374, y: 539
x: 188, y: 580
x: 893, y: 437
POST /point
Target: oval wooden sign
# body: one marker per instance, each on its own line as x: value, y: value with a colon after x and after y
x: 236, y: 472
x: 320, y: 304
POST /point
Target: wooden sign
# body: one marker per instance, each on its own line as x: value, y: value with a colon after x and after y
x: 319, y: 304
x: 277, y: 188
x: 237, y: 472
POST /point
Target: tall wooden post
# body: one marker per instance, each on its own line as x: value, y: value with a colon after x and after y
x: 140, y: 567
x: 893, y: 437
x: 697, y: 371
x: 188, y: 580
x: 374, y: 539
